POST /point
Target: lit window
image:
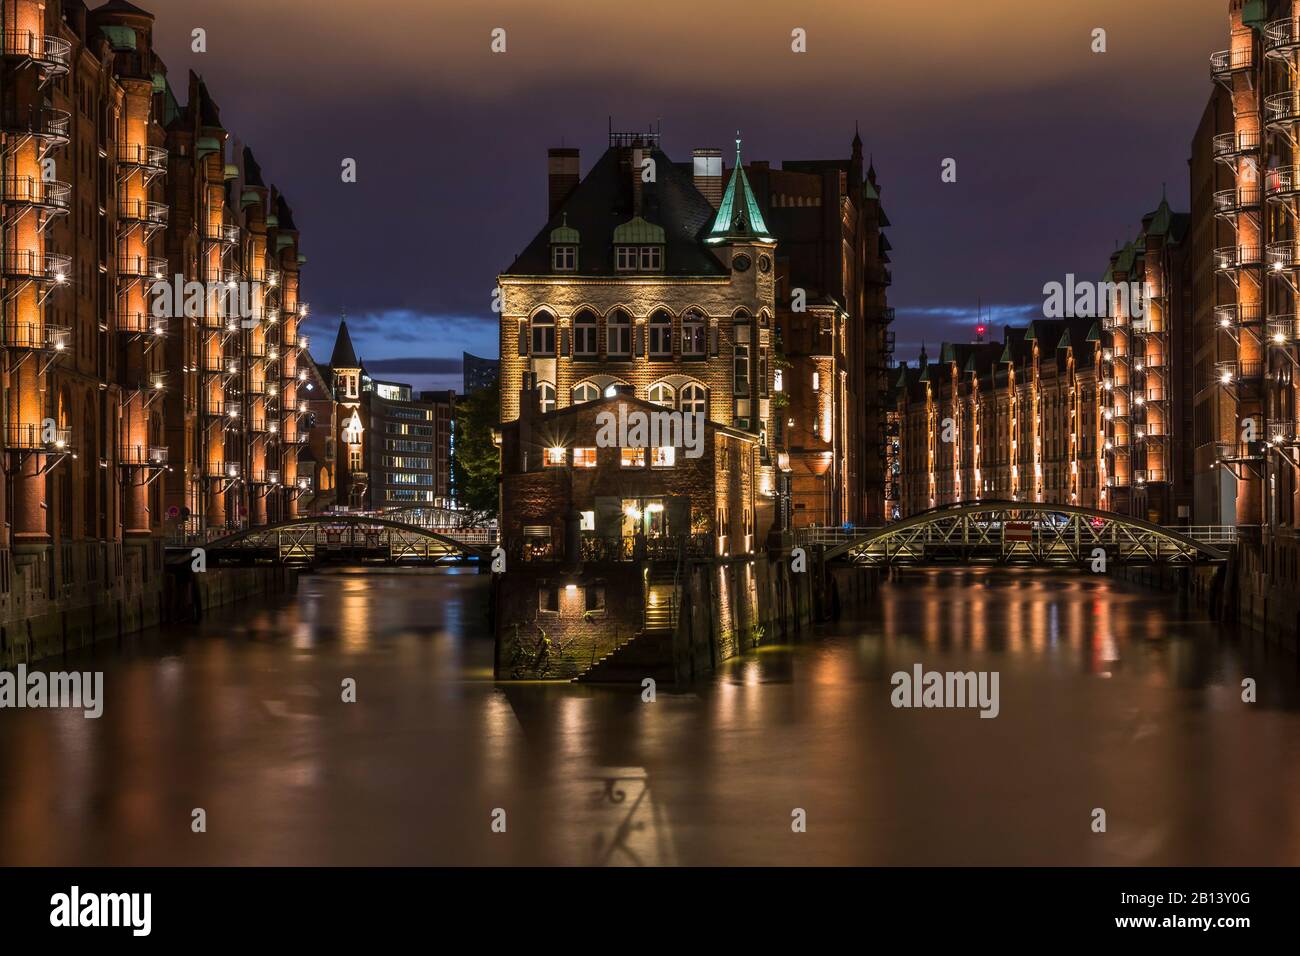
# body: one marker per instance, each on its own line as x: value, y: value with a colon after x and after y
x: 693, y: 334
x: 619, y: 333
x: 584, y: 335
x: 661, y: 395
x: 695, y: 400
x: 632, y: 457
x: 586, y: 392
x: 817, y: 381
x: 546, y: 397
x: 584, y: 458
x: 661, y: 335
x: 543, y: 334
x: 665, y: 456
x: 588, y: 522
x: 564, y: 258
x: 741, y: 370
x: 556, y: 457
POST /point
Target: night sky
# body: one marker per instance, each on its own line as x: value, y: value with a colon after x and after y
x: 1059, y: 150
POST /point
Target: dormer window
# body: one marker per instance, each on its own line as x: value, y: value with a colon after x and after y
x: 564, y: 247
x: 564, y: 258
x: 639, y: 246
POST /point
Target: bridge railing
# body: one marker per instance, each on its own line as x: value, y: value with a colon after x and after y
x: 831, y: 537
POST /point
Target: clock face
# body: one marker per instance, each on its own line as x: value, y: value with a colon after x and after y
x: 740, y: 263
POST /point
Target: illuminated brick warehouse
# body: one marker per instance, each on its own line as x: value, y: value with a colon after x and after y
x: 150, y: 290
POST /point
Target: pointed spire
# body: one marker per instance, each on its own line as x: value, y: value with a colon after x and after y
x: 738, y: 216
x: 857, y: 138
x: 344, y: 355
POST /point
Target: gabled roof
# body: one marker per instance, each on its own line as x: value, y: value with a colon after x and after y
x: 739, y: 217
x: 604, y: 201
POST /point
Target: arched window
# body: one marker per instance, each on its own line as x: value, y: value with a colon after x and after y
x: 661, y: 335
x: 546, y: 397
x: 694, y: 330
x: 661, y: 395
x: 543, y: 334
x: 618, y: 331
x: 584, y: 335
x: 695, y: 400
x: 586, y: 392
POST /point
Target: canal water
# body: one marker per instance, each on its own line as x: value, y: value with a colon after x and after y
x: 1110, y: 697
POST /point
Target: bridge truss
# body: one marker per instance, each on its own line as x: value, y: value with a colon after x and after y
x: 1016, y: 532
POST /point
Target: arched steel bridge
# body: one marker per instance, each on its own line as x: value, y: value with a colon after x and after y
x: 1019, y: 532
x: 337, y: 539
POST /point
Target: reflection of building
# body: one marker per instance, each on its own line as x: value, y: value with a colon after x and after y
x: 391, y: 451
x: 478, y: 372
x: 124, y: 406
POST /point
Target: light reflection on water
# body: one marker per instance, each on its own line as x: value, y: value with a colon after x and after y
x: 1111, y: 697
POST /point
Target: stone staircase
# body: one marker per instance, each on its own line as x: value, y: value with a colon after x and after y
x: 650, y: 652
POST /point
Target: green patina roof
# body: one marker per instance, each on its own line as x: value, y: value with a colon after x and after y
x: 1065, y: 342
x: 1161, y: 219
x: 119, y: 38
x: 207, y: 144
x: 159, y: 82
x: 1254, y: 13
x: 273, y: 220
x: 171, y: 108
x: 739, y: 216
x: 636, y: 231
x: 231, y: 171
x: 1127, y: 256
x: 250, y: 197
x: 566, y: 235
x: 868, y: 190
x: 1094, y: 333
x: 282, y: 241
x: 302, y: 260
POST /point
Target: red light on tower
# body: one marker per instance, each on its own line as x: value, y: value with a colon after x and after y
x: 979, y: 332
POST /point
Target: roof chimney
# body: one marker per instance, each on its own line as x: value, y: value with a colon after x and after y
x: 708, y: 174
x: 561, y: 176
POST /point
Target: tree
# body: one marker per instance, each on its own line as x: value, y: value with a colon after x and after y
x: 476, y: 464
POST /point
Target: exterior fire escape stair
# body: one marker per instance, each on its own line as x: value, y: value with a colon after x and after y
x: 650, y: 652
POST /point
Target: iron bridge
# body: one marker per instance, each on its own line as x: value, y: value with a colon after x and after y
x: 337, y: 539
x: 1018, y: 532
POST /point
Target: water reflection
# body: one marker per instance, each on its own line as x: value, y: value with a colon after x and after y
x: 1111, y: 697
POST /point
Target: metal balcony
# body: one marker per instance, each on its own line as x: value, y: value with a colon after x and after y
x: 1282, y: 184
x: 1283, y: 256
x: 52, y: 55
x: 1227, y: 62
x: 1283, y: 330
x: 1232, y: 372
x: 140, y: 322
x: 222, y: 233
x: 1281, y: 109
x: 1232, y: 258
x: 221, y: 469
x: 32, y: 437
x: 257, y: 386
x: 257, y: 425
x: 47, y: 124
x: 1230, y: 202
x: 153, y: 214
x: 143, y: 455
x: 1281, y: 432
x: 53, y: 196
x: 24, y: 265
x: 1239, y: 451
x: 141, y: 267
x: 1281, y: 37
x: 1233, y: 314
x: 220, y: 365
x: 256, y: 349
x: 35, y: 337
x: 1228, y: 146
x: 149, y: 158
x: 297, y: 438
x: 265, y: 476
x: 214, y: 408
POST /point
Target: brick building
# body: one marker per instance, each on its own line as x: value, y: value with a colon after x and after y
x: 393, y: 449
x: 1012, y: 420
x: 127, y: 392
